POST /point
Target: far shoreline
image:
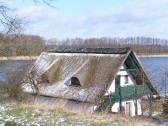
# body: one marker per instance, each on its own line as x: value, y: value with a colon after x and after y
x: 18, y: 58
x: 3, y: 58
x: 151, y: 56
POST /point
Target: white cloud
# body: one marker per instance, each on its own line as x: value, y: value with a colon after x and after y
x: 137, y: 18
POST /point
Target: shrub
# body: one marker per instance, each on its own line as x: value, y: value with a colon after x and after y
x: 11, y: 87
x: 165, y: 107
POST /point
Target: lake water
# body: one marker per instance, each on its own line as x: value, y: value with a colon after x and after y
x: 156, y: 67
x: 12, y: 65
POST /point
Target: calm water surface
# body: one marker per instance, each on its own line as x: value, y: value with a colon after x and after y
x: 156, y: 67
x: 12, y: 65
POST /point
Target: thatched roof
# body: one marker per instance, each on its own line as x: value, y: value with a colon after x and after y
x: 95, y: 73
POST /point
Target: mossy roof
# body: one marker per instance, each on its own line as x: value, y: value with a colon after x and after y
x: 94, y: 71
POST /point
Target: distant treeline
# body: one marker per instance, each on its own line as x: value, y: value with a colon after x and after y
x: 21, y: 45
x: 33, y: 45
x: 141, y: 45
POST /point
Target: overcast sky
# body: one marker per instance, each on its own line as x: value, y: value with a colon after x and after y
x: 94, y: 18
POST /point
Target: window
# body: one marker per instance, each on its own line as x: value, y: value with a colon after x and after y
x: 73, y: 81
x: 126, y: 79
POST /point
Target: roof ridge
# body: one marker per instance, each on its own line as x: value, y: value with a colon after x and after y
x: 92, y: 50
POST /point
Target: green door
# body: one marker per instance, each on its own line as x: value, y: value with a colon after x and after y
x: 117, y: 84
x: 118, y: 91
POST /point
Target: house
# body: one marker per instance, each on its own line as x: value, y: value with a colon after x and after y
x: 104, y: 79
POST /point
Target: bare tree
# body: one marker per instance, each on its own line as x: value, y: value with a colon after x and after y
x: 10, y: 28
x: 9, y: 24
x: 47, y: 2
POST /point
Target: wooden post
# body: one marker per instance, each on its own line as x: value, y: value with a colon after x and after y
x: 150, y: 105
x: 120, y: 99
x: 136, y: 105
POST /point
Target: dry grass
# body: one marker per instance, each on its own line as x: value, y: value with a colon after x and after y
x: 99, y: 119
x: 156, y: 105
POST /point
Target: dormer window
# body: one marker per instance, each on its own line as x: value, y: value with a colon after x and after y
x: 73, y: 81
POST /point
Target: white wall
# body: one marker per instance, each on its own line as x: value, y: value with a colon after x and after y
x: 122, y: 81
x: 115, y: 107
x: 122, y: 77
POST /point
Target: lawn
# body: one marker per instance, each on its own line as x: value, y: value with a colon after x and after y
x: 25, y: 115
x: 14, y: 114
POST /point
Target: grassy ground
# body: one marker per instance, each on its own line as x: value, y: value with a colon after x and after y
x: 34, y: 117
x: 156, y: 105
x: 27, y: 115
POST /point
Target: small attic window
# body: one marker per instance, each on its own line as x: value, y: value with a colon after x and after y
x: 75, y: 82
x: 126, y: 79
